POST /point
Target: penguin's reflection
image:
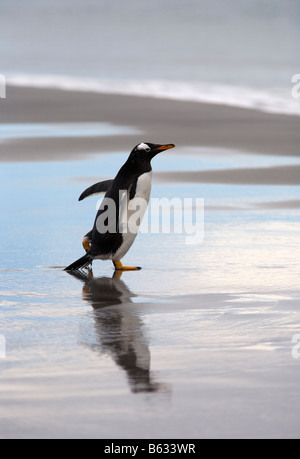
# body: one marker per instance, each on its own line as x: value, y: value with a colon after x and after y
x: 119, y: 330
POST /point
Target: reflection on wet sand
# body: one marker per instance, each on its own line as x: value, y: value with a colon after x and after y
x: 119, y: 330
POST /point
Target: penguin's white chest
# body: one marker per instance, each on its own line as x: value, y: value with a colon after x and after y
x: 143, y: 186
x: 132, y: 212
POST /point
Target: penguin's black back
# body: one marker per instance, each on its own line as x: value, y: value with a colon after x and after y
x: 107, y: 243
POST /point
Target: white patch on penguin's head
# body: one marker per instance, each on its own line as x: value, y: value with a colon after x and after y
x: 143, y: 146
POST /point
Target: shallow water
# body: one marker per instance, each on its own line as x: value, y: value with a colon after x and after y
x: 202, y: 342
x: 196, y: 344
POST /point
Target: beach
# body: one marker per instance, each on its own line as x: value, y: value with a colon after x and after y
x: 207, y: 125
x: 202, y: 342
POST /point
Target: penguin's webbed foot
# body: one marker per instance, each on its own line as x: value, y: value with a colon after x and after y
x: 118, y: 266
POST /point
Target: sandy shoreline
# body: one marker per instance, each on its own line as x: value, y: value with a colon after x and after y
x: 195, y: 337
x: 203, y: 341
x: 183, y: 123
x: 274, y: 175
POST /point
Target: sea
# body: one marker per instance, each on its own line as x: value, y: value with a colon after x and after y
x: 204, y: 341
x: 237, y: 52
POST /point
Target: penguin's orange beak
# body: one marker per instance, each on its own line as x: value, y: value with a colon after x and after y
x: 163, y: 147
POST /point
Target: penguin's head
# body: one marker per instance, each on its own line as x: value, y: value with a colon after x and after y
x: 142, y: 153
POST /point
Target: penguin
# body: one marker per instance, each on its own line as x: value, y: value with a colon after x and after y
x: 122, y: 209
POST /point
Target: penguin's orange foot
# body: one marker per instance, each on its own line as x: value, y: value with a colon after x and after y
x: 118, y: 265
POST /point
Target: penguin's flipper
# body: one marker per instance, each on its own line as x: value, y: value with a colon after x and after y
x: 97, y: 188
x: 118, y: 266
x: 80, y: 263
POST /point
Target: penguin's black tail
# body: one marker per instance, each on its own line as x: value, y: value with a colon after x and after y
x: 80, y: 263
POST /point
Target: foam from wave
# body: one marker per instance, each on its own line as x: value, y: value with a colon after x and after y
x: 268, y: 100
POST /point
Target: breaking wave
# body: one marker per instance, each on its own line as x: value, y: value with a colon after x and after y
x: 278, y: 101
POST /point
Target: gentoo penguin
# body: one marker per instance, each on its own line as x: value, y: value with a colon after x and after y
x: 122, y: 209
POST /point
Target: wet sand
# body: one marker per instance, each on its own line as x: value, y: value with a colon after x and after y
x: 198, y: 344
x: 275, y: 175
x: 183, y: 123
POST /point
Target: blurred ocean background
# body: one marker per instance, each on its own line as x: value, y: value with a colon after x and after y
x: 237, y: 52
